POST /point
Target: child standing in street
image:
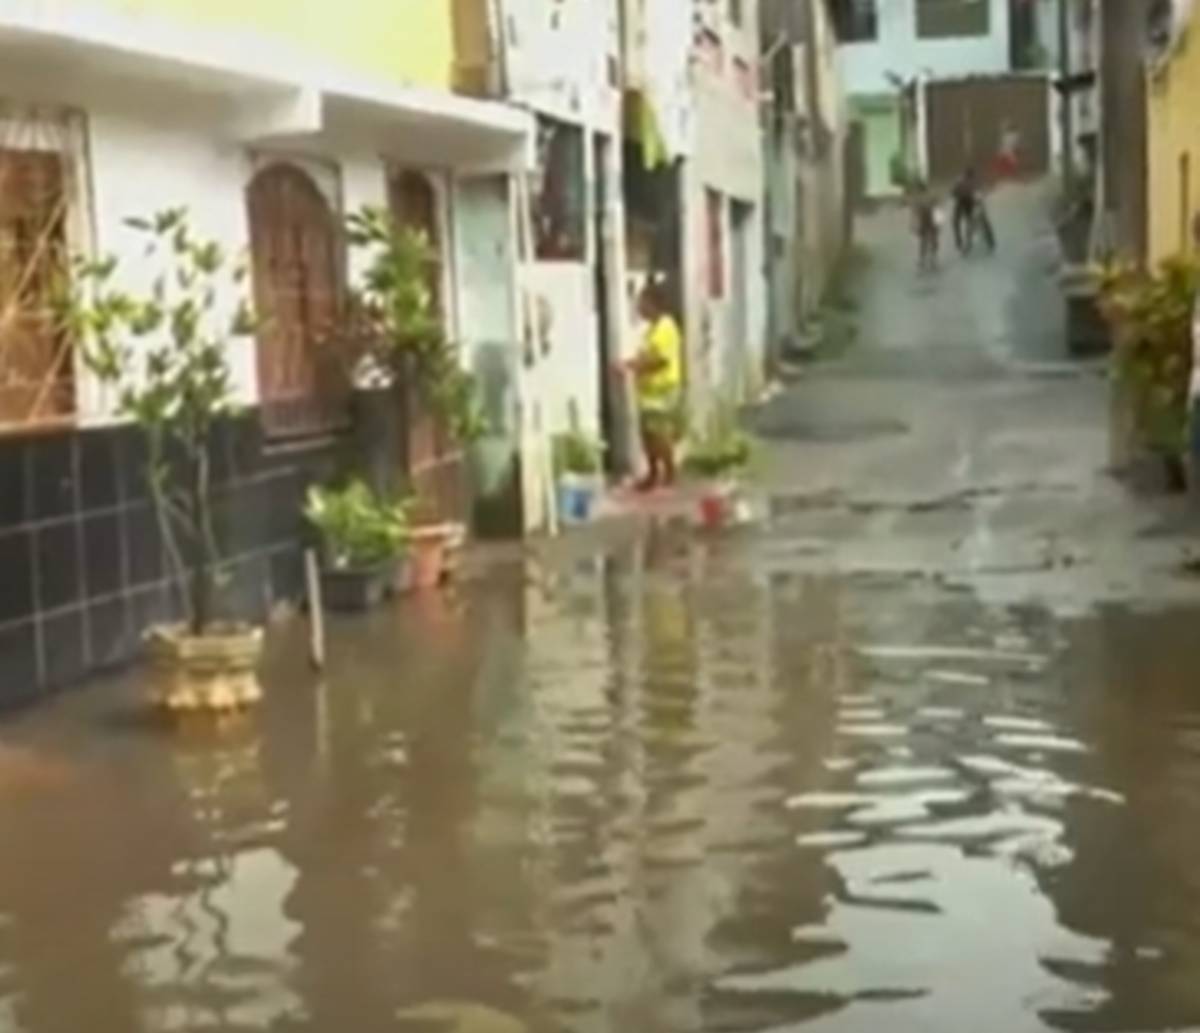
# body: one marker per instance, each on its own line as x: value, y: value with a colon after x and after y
x: 927, y: 227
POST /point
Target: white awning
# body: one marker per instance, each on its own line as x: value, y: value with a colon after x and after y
x: 261, y: 89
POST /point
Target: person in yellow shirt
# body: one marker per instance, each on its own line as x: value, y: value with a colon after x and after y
x: 658, y: 373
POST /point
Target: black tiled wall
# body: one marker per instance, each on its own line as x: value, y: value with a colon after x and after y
x: 82, y: 571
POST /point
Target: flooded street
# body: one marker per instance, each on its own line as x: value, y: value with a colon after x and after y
x: 918, y: 751
x: 658, y: 793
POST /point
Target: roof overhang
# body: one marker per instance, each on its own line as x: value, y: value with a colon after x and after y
x: 260, y: 90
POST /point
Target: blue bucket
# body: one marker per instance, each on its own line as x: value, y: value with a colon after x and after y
x: 575, y: 502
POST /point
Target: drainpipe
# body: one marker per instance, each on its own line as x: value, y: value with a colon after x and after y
x: 499, y: 33
x: 1067, y: 120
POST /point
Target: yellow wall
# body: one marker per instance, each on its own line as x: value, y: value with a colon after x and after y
x: 401, y: 40
x: 1173, y: 148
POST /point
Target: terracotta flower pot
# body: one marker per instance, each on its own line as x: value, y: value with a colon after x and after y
x: 216, y: 673
x: 429, y: 549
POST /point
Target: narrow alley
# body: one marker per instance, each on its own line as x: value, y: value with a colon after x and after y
x: 917, y: 752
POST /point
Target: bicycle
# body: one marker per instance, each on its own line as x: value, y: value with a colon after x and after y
x: 978, y: 222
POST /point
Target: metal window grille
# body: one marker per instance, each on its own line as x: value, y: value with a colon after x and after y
x: 40, y: 155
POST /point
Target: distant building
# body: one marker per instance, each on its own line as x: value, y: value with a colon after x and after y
x: 694, y: 184
x: 892, y: 51
x: 1171, y: 50
x: 810, y: 169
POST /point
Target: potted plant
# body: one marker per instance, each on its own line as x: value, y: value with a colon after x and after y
x: 1150, y: 311
x: 165, y: 355
x: 363, y: 539
x: 578, y: 461
x: 718, y: 456
x: 395, y: 325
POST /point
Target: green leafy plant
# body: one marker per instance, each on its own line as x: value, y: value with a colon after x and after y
x: 358, y: 529
x: 165, y: 353
x: 1151, y: 314
x: 577, y: 453
x: 721, y: 448
x: 393, y: 320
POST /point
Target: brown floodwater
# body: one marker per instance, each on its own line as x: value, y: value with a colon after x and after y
x: 664, y: 789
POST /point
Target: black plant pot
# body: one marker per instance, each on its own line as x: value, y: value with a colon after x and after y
x: 1175, y: 473
x: 378, y: 438
x: 356, y: 591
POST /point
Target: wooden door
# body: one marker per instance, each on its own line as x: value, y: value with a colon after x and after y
x: 435, y: 462
x: 966, y: 119
x: 296, y: 250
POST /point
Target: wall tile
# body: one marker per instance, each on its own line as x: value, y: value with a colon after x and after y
x: 110, y: 632
x: 52, y: 470
x: 131, y: 463
x: 65, y: 652
x: 287, y: 575
x: 102, y: 554
x: 99, y: 474
x: 59, y: 572
x: 16, y: 575
x: 144, y: 544
x: 18, y: 663
x: 14, y: 484
x: 147, y: 607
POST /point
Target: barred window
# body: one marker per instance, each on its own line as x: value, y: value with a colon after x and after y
x: 39, y: 156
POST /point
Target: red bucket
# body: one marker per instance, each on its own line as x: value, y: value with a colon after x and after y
x: 714, y: 511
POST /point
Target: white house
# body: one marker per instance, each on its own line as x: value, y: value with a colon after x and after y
x: 890, y: 50
x: 561, y: 61
x: 104, y: 116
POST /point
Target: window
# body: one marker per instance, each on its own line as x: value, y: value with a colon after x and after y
x: 39, y: 155
x: 295, y: 245
x: 946, y: 19
x: 856, y: 21
x: 714, y: 209
x: 560, y: 195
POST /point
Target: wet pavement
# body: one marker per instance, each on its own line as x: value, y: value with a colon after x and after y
x: 919, y: 751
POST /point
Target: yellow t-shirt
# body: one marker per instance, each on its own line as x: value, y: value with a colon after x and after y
x: 663, y: 342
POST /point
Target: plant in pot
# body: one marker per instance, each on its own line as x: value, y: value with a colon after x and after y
x: 165, y: 355
x: 1151, y: 313
x: 719, y: 456
x: 396, y: 326
x: 578, y: 462
x: 363, y: 540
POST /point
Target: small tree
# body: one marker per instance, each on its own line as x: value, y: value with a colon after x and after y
x: 1151, y: 312
x: 394, y: 321
x: 166, y: 354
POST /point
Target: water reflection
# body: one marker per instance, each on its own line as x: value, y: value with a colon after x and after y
x: 662, y: 789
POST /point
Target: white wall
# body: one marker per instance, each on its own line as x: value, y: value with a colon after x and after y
x: 864, y: 66
x: 141, y: 164
x: 726, y: 156
x: 152, y: 150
